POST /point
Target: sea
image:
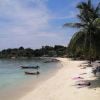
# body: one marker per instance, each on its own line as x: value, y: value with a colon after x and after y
x: 14, y: 83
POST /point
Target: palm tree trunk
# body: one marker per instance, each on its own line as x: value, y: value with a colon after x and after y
x: 90, y: 48
x: 85, y: 42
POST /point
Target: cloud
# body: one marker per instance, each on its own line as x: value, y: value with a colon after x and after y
x: 23, y: 18
x: 21, y: 21
x: 31, y: 23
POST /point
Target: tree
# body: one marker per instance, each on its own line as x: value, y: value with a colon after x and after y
x: 89, y: 25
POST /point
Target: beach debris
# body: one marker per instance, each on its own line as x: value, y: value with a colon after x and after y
x: 83, y: 67
x: 75, y: 78
x: 83, y: 73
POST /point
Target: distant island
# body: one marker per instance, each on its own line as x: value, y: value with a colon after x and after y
x: 44, y: 51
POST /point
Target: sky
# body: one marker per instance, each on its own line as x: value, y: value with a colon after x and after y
x: 36, y: 23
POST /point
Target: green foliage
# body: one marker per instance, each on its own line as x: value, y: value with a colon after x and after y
x: 29, y: 53
x: 86, y: 42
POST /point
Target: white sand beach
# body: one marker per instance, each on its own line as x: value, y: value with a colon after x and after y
x: 61, y: 86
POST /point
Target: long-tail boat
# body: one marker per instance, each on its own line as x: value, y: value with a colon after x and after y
x: 32, y: 73
x: 30, y: 67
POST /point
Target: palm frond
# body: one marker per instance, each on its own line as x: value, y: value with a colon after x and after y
x: 82, y: 18
x: 77, y: 39
x: 74, y: 25
x: 97, y: 10
x: 89, y: 24
x: 89, y: 3
x: 81, y: 5
x: 97, y: 23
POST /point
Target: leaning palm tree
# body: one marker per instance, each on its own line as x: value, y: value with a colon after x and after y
x: 89, y: 25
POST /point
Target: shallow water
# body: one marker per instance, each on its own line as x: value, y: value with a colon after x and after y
x: 14, y: 82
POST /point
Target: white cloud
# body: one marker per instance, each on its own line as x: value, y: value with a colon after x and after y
x: 29, y: 23
x: 23, y: 18
x: 21, y: 21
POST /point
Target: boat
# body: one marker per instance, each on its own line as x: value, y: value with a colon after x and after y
x: 30, y: 67
x: 52, y: 60
x: 32, y: 73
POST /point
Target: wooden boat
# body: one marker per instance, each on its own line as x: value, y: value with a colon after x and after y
x: 32, y: 73
x: 30, y: 67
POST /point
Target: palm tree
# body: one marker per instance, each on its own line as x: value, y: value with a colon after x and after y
x: 89, y: 25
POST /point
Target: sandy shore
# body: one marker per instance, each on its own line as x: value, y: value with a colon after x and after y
x: 62, y: 85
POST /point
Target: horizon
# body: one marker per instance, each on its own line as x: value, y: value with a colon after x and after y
x: 36, y: 23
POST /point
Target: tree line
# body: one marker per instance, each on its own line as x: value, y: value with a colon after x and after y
x: 44, y: 51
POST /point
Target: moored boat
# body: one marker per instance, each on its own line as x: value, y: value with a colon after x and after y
x: 32, y: 73
x: 30, y: 67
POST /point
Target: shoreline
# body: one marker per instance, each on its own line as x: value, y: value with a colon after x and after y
x: 60, y: 86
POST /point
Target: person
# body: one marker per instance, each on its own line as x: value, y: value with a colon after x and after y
x: 84, y: 84
x: 94, y: 72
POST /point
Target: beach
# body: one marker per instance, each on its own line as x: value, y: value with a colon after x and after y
x: 50, y: 50
x: 61, y: 86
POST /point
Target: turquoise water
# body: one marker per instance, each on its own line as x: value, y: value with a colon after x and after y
x: 13, y: 78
